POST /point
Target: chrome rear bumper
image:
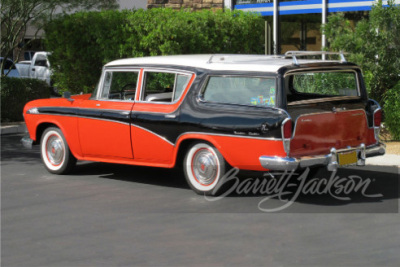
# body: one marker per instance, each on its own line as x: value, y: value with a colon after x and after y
x: 330, y: 160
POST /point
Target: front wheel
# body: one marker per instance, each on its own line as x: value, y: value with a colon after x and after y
x: 204, y: 167
x: 56, y: 156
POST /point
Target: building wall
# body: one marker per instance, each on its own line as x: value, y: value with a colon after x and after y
x: 190, y: 4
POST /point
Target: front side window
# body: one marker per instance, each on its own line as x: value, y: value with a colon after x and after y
x: 312, y: 85
x: 251, y: 91
x: 163, y: 86
x: 119, y: 85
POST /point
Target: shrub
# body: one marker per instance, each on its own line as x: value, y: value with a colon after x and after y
x: 392, y: 111
x: 83, y: 42
x: 16, y: 92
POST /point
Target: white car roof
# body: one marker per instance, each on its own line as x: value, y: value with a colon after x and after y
x: 258, y: 63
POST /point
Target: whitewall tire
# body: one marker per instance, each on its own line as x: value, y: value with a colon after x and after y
x: 56, y: 156
x: 204, y: 167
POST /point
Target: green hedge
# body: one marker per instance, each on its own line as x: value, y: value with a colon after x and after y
x: 392, y: 111
x: 83, y: 42
x: 16, y: 92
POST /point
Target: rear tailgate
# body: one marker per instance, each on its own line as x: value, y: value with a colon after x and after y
x: 316, y: 134
x: 329, y: 108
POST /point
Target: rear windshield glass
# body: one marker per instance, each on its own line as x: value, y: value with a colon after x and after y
x: 314, y: 85
x: 251, y: 91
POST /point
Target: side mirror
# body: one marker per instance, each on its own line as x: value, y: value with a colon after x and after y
x: 67, y: 95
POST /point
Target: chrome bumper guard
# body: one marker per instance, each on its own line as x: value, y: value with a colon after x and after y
x: 27, y: 142
x: 330, y: 160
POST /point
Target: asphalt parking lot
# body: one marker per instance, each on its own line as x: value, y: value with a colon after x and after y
x: 114, y: 215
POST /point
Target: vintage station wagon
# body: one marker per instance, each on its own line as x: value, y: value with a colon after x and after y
x: 210, y: 113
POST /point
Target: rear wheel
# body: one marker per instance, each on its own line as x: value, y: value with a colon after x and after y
x: 56, y: 156
x: 204, y: 167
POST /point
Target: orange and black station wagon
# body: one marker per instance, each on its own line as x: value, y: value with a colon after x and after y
x: 211, y: 113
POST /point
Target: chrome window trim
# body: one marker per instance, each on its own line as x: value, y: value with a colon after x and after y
x: 200, y: 95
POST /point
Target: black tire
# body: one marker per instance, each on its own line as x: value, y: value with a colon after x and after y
x: 56, y: 155
x: 204, y: 167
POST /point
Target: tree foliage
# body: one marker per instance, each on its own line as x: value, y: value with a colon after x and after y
x: 392, y: 111
x: 18, y: 15
x: 374, y: 44
x: 82, y: 42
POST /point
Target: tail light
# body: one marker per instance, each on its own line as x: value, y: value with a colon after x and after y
x: 377, y: 118
x: 377, y: 123
x: 287, y: 128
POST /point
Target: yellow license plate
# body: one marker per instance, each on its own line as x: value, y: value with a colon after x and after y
x: 347, y: 158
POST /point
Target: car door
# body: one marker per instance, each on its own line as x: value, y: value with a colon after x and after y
x: 155, y: 116
x: 104, y: 119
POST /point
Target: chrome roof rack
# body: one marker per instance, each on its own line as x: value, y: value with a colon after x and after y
x: 237, y: 58
x: 295, y: 54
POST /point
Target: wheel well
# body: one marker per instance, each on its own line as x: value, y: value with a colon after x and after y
x: 40, y: 130
x: 184, y: 146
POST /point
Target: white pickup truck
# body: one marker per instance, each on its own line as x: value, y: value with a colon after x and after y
x: 38, y: 68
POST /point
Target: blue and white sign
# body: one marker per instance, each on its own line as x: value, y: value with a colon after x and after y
x: 310, y: 6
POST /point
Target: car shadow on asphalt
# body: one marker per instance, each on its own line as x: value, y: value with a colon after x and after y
x: 373, y: 186
x: 136, y: 174
x: 381, y: 183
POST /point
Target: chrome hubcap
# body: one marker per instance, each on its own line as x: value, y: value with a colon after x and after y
x: 205, y: 166
x: 55, y: 150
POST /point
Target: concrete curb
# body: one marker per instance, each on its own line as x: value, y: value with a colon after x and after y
x: 13, y: 128
x: 385, y: 160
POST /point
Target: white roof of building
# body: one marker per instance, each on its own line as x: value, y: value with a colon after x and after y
x: 259, y: 63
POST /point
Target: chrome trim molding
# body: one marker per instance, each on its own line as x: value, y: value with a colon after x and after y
x: 377, y: 129
x: 286, y: 141
x: 230, y: 135
x: 320, y: 100
x: 32, y: 111
x: 330, y: 160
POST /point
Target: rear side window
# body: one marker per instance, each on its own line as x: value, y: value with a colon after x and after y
x: 313, y: 85
x: 160, y: 86
x: 251, y: 91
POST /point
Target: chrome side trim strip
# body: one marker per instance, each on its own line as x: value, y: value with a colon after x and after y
x: 230, y: 135
x: 91, y: 118
x: 319, y: 100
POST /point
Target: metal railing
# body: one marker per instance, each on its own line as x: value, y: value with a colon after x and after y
x: 323, y: 54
